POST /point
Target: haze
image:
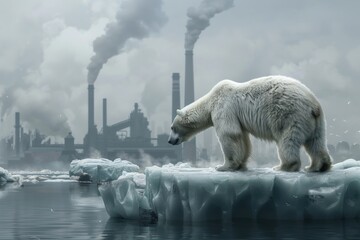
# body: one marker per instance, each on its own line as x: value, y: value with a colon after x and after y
x: 46, y: 47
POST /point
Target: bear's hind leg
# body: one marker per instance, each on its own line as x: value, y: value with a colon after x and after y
x: 320, y: 160
x: 236, y: 150
x: 289, y: 154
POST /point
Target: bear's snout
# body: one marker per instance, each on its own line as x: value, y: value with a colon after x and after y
x: 174, y: 140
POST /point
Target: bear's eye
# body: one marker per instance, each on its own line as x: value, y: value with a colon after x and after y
x: 172, y: 128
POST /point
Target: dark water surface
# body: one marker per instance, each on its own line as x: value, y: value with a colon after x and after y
x: 74, y: 211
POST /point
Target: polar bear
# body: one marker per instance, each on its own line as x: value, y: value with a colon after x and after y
x: 273, y: 108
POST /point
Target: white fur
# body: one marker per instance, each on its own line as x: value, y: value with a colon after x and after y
x: 274, y: 108
x: 180, y: 113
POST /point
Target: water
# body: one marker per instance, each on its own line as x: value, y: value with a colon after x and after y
x: 50, y: 210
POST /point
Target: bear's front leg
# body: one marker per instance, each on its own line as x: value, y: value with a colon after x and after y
x: 236, y: 151
x: 226, y: 168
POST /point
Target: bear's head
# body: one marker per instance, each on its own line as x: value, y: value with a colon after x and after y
x: 182, y: 128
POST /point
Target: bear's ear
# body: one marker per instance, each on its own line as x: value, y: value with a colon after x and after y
x: 180, y: 113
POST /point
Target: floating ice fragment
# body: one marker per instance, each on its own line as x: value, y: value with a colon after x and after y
x: 5, y: 177
x: 59, y: 180
x: 123, y: 199
x: 101, y: 170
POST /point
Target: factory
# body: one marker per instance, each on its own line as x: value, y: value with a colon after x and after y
x: 129, y: 138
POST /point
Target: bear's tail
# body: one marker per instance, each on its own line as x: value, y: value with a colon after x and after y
x: 316, y: 112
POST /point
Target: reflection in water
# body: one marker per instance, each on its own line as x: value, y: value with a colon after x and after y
x: 45, y: 210
x: 86, y: 195
x: 72, y: 210
x: 121, y: 229
x: 5, y: 188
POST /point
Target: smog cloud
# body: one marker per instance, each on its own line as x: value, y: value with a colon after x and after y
x: 136, y: 19
x: 6, y: 101
x: 199, y: 19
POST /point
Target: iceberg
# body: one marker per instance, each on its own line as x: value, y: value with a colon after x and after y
x: 180, y: 193
x: 101, y: 170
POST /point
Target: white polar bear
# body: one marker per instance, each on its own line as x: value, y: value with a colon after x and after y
x: 274, y: 108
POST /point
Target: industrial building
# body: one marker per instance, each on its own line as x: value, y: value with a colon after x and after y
x: 129, y: 138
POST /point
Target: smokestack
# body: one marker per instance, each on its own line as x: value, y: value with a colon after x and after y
x: 189, y: 77
x: 104, y: 113
x: 104, y: 147
x: 175, y: 93
x: 189, y: 150
x: 91, y: 121
x: 21, y: 140
x: 17, y: 133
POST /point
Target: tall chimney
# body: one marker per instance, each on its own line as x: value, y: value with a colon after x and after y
x: 17, y: 133
x: 91, y: 121
x: 104, y: 147
x: 104, y: 113
x: 189, y: 77
x: 189, y: 150
x: 21, y: 140
x: 175, y: 94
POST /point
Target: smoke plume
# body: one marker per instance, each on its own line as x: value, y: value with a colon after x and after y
x: 136, y: 19
x: 199, y: 19
x: 6, y: 101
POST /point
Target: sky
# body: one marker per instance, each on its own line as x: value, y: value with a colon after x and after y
x: 47, y: 46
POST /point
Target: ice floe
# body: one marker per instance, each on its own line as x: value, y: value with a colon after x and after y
x: 184, y: 194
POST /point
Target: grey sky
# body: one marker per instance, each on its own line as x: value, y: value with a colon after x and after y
x: 45, y: 47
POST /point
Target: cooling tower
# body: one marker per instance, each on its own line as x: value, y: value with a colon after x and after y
x: 189, y: 149
x: 17, y: 133
x: 175, y: 94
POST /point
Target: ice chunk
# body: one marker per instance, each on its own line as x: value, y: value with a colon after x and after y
x: 124, y: 198
x: 101, y: 170
x: 349, y: 163
x: 43, y: 175
x: 5, y: 176
x: 184, y: 194
x: 59, y: 180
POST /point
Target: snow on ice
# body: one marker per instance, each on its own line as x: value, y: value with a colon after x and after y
x: 101, y: 170
x: 185, y: 194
